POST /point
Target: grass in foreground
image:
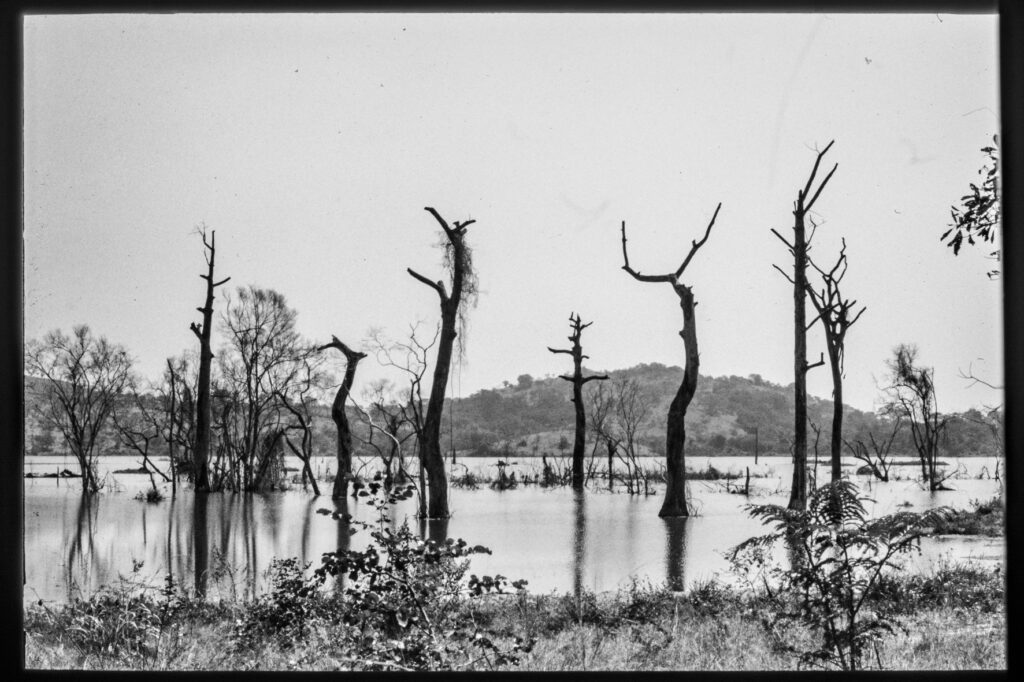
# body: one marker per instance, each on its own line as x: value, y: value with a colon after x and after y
x: 954, y: 619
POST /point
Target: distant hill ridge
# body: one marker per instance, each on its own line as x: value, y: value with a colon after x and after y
x: 729, y: 415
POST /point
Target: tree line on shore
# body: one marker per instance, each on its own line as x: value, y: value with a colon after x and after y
x: 227, y: 418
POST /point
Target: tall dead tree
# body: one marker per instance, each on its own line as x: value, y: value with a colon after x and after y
x: 577, y: 379
x: 352, y: 359
x: 834, y: 313
x: 203, y: 331
x: 675, y: 440
x: 459, y: 261
x: 798, y: 248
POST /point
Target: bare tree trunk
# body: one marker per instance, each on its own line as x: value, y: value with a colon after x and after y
x: 675, y: 439
x: 798, y: 490
x: 577, y: 379
x: 837, y: 418
x: 431, y: 456
x: 430, y: 444
x: 201, y: 451
x: 834, y: 314
x: 352, y: 359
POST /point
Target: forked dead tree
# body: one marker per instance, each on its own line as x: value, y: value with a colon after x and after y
x: 352, y: 359
x: 675, y: 440
x: 879, y: 462
x: 805, y: 200
x: 201, y: 452
x: 578, y: 380
x: 459, y: 260
x: 834, y: 313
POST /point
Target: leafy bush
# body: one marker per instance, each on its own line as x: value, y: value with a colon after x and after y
x: 285, y: 610
x: 404, y: 597
x: 401, y: 603
x: 837, y: 556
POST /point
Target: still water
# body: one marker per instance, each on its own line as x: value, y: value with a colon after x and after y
x: 556, y: 540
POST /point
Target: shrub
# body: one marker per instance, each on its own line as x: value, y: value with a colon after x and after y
x: 405, y: 599
x: 837, y: 556
x: 285, y: 611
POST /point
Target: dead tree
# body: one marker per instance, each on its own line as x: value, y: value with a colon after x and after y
x: 389, y: 417
x: 834, y: 313
x: 877, y: 464
x: 459, y: 259
x: 798, y: 248
x: 352, y: 359
x: 577, y: 379
x: 201, y: 451
x: 409, y: 357
x: 675, y: 440
x: 912, y: 396
x: 301, y: 407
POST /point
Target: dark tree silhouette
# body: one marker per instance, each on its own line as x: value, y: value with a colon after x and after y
x: 834, y: 313
x: 352, y: 359
x: 675, y: 440
x: 578, y: 380
x: 203, y: 331
x: 459, y: 260
x: 798, y: 248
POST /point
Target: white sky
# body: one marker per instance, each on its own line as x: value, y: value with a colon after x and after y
x: 311, y: 144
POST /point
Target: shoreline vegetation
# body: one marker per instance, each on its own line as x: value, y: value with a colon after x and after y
x: 409, y: 603
x: 953, y: 618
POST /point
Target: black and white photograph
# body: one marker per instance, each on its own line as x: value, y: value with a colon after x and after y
x: 512, y: 341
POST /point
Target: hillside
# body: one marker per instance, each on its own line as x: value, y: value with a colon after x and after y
x: 728, y: 416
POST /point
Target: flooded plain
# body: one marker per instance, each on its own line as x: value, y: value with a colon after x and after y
x: 557, y: 540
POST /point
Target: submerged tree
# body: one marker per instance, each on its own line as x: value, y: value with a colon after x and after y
x: 912, y: 396
x: 203, y: 331
x: 85, y: 377
x: 388, y: 427
x: 805, y: 200
x: 340, y: 418
x: 260, y: 361
x: 979, y: 214
x: 834, y: 313
x: 578, y: 380
x: 459, y: 262
x: 675, y: 440
x: 410, y: 357
x: 301, y: 406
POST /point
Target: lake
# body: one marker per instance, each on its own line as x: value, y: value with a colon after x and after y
x: 551, y: 537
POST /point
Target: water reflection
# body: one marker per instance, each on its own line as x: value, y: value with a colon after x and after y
x: 201, y: 542
x: 557, y: 539
x: 675, y: 553
x: 579, y: 542
x: 437, y: 530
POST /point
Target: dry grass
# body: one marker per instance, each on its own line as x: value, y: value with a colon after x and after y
x: 644, y: 628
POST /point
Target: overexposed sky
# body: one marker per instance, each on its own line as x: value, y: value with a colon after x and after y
x: 311, y: 144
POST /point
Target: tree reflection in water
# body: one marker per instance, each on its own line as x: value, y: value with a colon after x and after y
x: 579, y: 542
x: 200, y: 542
x: 675, y: 555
